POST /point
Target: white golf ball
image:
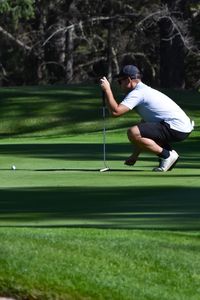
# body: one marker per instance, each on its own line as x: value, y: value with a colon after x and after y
x: 13, y: 167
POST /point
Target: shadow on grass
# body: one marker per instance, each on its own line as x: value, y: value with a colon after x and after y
x: 157, y: 207
x: 128, y: 207
x: 93, y: 151
x: 51, y: 110
x: 61, y: 109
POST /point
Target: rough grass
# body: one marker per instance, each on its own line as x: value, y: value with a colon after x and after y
x: 99, y: 264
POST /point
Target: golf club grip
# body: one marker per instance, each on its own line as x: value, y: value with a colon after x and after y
x: 104, y: 98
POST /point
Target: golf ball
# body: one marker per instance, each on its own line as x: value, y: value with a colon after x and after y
x: 13, y: 167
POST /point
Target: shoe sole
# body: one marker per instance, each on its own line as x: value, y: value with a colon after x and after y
x: 170, y: 168
x: 173, y: 165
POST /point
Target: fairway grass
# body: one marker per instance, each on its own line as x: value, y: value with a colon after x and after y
x: 59, y: 184
x: 67, y: 230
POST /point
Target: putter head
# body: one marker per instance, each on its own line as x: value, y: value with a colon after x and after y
x: 104, y: 170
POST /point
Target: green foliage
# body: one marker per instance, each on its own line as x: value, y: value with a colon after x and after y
x: 103, y: 31
x: 4, y: 6
x: 18, y: 9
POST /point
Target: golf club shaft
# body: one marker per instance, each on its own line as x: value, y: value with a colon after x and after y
x: 104, y: 125
x: 104, y: 134
x: 103, y: 98
x: 104, y: 130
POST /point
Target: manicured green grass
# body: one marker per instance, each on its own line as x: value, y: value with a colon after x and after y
x: 69, y: 231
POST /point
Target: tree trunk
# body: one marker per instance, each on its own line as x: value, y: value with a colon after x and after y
x: 171, y: 59
x: 59, y: 50
x: 69, y: 57
x: 109, y: 50
x: 41, y: 71
x: 172, y: 52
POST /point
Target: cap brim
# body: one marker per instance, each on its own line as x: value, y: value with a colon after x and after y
x: 121, y: 74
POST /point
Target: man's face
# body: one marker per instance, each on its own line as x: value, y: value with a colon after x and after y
x: 123, y: 82
x: 127, y: 83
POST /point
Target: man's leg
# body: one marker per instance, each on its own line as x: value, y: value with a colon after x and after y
x: 168, y: 158
x: 131, y: 160
x: 143, y: 142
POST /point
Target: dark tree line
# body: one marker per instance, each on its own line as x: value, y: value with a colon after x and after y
x: 44, y: 42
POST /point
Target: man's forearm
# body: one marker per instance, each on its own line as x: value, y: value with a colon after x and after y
x: 111, y: 102
x: 115, y: 108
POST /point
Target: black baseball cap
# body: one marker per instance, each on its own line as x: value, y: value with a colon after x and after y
x: 129, y: 71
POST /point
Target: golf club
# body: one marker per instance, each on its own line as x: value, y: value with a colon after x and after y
x: 106, y: 168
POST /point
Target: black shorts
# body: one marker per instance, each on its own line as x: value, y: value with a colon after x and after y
x: 161, y: 132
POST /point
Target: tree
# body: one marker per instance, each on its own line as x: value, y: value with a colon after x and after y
x: 13, y: 44
x: 71, y: 40
x: 172, y: 39
x: 192, y: 64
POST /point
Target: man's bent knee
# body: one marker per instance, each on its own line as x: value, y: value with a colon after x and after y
x: 134, y: 133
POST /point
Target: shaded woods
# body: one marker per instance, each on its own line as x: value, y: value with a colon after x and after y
x: 62, y: 41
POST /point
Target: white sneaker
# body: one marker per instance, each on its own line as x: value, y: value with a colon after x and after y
x: 167, y: 163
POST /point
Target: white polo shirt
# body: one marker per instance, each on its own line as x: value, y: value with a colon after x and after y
x: 154, y: 106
